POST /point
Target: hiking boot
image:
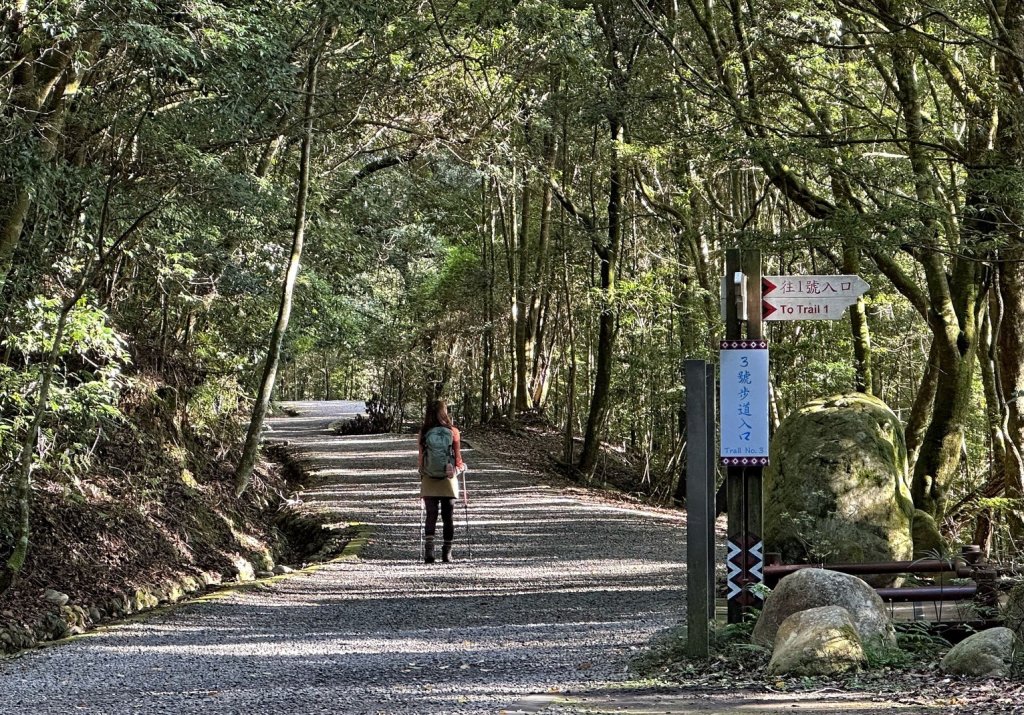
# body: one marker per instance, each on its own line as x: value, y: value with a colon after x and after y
x: 428, y: 550
x: 446, y: 552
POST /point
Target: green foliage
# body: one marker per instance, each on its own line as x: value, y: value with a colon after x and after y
x: 168, y: 185
x: 214, y: 408
x: 86, y: 384
x: 731, y: 649
x: 916, y: 643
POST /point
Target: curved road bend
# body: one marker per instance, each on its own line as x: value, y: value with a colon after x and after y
x: 557, y: 593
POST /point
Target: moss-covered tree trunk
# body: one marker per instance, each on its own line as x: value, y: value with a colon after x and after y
x: 23, y: 473
x: 43, y: 80
x: 1010, y: 368
x: 250, y: 450
x: 952, y: 293
x: 863, y: 382
x: 1010, y: 269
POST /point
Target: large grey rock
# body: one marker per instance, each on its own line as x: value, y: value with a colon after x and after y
x: 837, y: 489
x: 818, y: 641
x: 987, y: 654
x: 813, y: 588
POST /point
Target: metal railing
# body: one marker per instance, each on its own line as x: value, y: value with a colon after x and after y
x: 968, y: 565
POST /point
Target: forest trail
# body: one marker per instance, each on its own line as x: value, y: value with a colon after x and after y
x: 559, y: 590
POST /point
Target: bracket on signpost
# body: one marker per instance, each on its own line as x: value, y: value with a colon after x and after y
x: 739, y: 282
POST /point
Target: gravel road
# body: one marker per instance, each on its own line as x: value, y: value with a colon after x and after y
x: 559, y: 590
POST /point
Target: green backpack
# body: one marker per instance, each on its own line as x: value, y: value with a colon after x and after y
x: 438, y: 452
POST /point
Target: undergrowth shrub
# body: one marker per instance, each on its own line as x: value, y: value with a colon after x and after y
x: 379, y: 419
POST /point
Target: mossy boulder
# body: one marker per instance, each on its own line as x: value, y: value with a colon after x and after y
x: 837, y: 488
x: 143, y: 599
x: 242, y: 568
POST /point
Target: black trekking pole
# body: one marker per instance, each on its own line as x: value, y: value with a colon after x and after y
x: 423, y: 528
x: 465, y: 511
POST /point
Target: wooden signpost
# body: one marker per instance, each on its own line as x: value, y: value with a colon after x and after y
x: 748, y: 298
x: 744, y: 452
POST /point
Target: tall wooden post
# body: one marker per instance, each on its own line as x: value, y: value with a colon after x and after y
x: 752, y: 481
x: 745, y: 548
x: 734, y: 485
x: 711, y: 417
x: 700, y: 505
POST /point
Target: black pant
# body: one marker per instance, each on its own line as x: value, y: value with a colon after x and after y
x: 447, y: 506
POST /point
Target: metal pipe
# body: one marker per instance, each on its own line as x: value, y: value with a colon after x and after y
x: 918, y: 566
x: 928, y: 593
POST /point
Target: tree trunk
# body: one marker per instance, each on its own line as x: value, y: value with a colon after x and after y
x: 859, y: 326
x: 540, y: 296
x: 607, y: 256
x: 993, y: 418
x: 520, y: 319
x: 1010, y: 370
x: 37, y: 106
x: 1010, y: 269
x: 23, y: 477
x: 489, y: 219
x: 570, y: 391
x: 921, y: 410
x: 952, y: 291
x: 327, y: 375
x: 250, y: 451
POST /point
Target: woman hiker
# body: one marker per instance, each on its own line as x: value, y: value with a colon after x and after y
x: 440, y: 461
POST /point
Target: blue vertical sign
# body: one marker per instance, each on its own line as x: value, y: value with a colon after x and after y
x: 743, y: 402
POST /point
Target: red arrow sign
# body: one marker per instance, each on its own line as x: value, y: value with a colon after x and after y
x: 805, y: 308
x: 800, y: 286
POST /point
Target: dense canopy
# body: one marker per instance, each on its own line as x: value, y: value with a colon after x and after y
x: 518, y: 206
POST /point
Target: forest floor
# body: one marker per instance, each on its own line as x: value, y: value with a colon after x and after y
x: 663, y: 680
x: 156, y: 504
x: 566, y: 586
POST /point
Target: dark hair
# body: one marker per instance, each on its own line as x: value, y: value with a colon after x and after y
x: 436, y: 416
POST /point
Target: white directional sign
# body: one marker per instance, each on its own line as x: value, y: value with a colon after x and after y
x: 809, y: 297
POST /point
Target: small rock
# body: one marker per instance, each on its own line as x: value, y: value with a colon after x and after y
x: 243, y: 569
x: 987, y: 654
x: 282, y: 569
x: 264, y: 574
x: 94, y: 614
x: 56, y: 597
x: 55, y: 627
x: 818, y: 641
